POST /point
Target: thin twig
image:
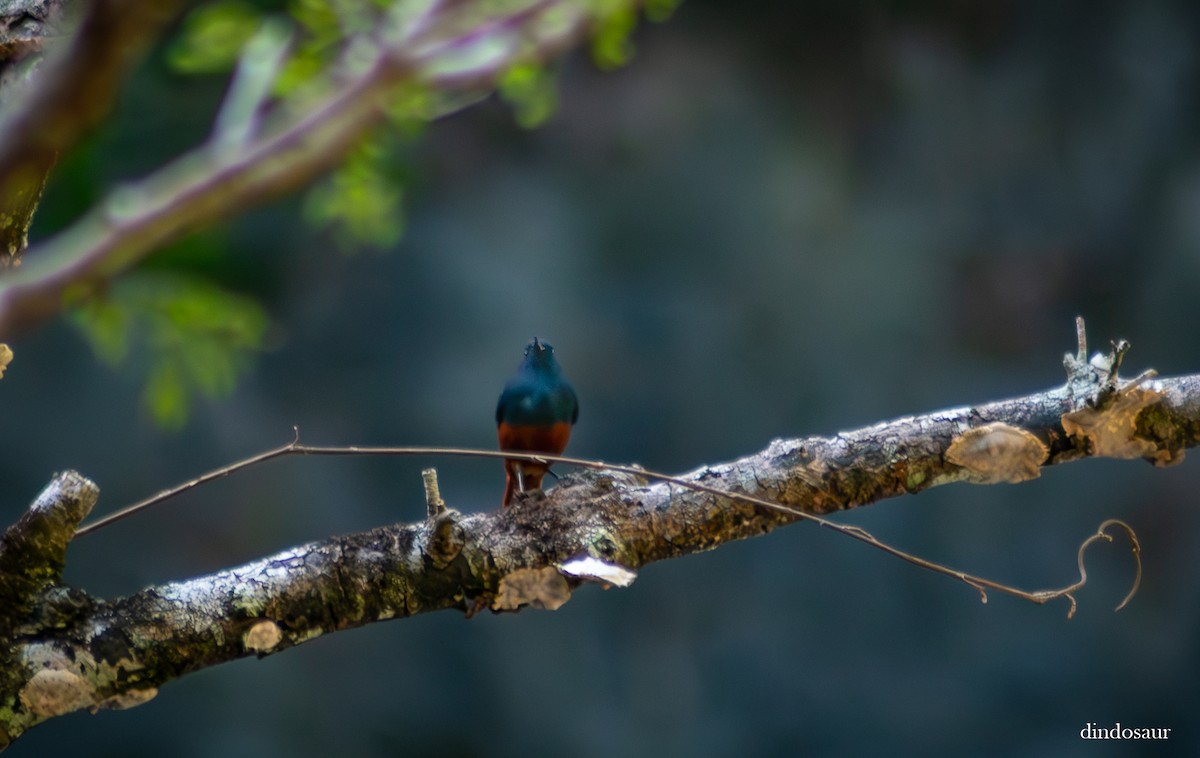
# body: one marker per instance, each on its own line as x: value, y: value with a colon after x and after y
x: 434, y: 505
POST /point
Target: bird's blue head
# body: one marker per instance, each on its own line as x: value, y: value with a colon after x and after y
x: 539, y: 357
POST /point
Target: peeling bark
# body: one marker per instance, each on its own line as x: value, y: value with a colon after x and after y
x: 67, y: 650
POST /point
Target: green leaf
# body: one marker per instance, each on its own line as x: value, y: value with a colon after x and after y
x: 166, y: 397
x: 411, y: 107
x: 106, y: 325
x: 213, y: 36
x: 323, y: 25
x: 611, y: 46
x: 660, y: 10
x: 188, y: 336
x: 360, y: 201
x: 529, y: 89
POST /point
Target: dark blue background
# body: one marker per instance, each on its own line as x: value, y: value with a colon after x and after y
x: 780, y: 220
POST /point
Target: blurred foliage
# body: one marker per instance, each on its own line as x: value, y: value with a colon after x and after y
x: 212, y: 37
x: 659, y: 11
x: 360, y: 202
x: 530, y: 90
x: 611, y: 46
x: 321, y: 36
x: 191, y: 336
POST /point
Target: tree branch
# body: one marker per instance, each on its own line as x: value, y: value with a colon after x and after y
x: 223, y: 178
x: 69, y: 651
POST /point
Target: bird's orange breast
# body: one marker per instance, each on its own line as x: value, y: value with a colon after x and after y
x: 551, y: 439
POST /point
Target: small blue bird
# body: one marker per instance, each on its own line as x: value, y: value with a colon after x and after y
x: 535, y: 414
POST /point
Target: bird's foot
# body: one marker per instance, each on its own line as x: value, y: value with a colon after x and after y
x: 531, y: 496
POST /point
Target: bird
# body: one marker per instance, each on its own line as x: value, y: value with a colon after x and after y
x: 535, y: 414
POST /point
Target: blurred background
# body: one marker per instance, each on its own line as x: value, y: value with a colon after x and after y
x: 782, y: 219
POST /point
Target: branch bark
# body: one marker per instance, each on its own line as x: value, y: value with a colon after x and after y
x: 68, y: 650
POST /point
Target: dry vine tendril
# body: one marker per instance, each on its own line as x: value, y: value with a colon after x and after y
x: 980, y: 584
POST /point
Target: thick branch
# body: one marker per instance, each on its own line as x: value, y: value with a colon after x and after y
x: 32, y: 555
x: 73, y: 651
x: 34, y: 550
